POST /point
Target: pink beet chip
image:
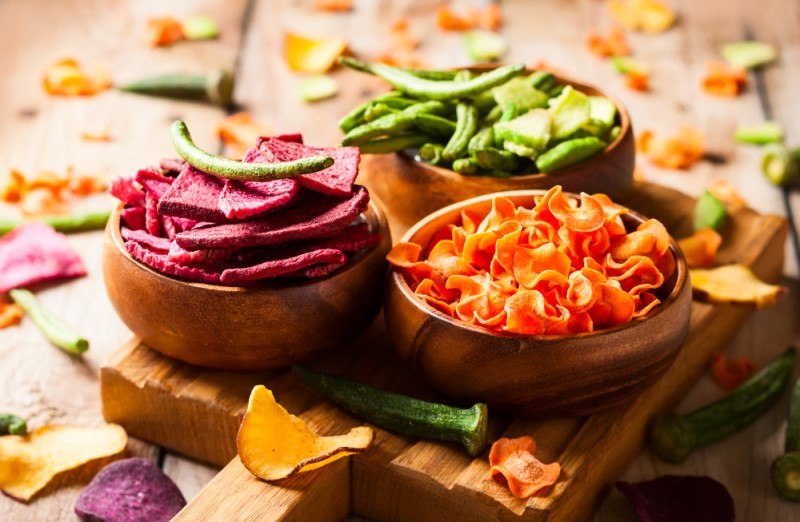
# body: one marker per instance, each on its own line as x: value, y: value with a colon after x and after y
x: 337, y: 180
x: 209, y: 256
x: 279, y: 267
x: 244, y: 199
x: 152, y: 221
x: 352, y: 239
x: 161, y: 262
x: 133, y: 218
x: 172, y: 165
x: 314, y: 217
x: 126, y: 191
x: 130, y: 490
x: 294, y: 137
x: 194, y: 195
x: 34, y: 253
x: 154, y: 182
x: 160, y: 244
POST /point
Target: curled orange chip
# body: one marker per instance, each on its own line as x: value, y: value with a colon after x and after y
x: 525, y: 475
x: 68, y: 78
x: 613, y: 43
x: 274, y: 444
x: 312, y: 55
x: 241, y: 130
x: 163, y: 32
x: 13, y: 186
x: 701, y: 248
x: 334, y: 6
x: 731, y: 373
x: 724, y: 191
x: 723, y: 80
x: 10, y: 314
x: 449, y: 20
x: 587, y: 217
x: 637, y: 80
x: 679, y: 151
x: 29, y: 463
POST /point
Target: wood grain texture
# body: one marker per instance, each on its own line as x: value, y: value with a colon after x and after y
x: 403, y: 479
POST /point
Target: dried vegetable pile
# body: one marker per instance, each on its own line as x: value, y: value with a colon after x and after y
x: 225, y: 228
x: 554, y: 269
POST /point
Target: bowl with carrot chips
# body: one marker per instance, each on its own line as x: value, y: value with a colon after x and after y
x: 456, y: 134
x: 251, y: 264
x: 538, y: 303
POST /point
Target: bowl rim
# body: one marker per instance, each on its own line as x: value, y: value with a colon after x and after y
x: 681, y: 276
x: 379, y: 221
x: 561, y: 78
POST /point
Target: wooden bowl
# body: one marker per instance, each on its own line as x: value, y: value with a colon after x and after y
x: 409, y: 189
x: 535, y: 376
x: 245, y: 328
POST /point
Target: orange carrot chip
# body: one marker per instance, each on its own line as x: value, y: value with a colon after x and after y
x: 163, y: 32
x: 241, y: 130
x: 612, y: 44
x: 637, y: 80
x: 449, y: 20
x: 731, y: 373
x: 68, y: 78
x: 514, y: 460
x: 700, y: 249
x: 679, y: 151
x: 489, y: 18
x: 334, y: 6
x: 10, y: 314
x: 723, y: 80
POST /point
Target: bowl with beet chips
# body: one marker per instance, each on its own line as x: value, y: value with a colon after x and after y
x: 212, y: 268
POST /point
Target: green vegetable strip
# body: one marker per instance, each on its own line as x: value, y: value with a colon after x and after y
x: 432, y: 153
x: 568, y: 153
x: 709, y: 212
x: 432, y: 89
x: 394, y: 143
x: 779, y: 165
x: 66, y: 224
x: 793, y: 427
x: 494, y: 159
x: 466, y: 166
x: 466, y: 125
x: 391, y: 123
x: 52, y: 327
x: 437, y: 75
x: 761, y: 134
x: 231, y: 169
x: 12, y: 424
x: 377, y: 110
x: 435, y: 125
x: 402, y: 414
x: 541, y: 80
x: 786, y: 468
x: 482, y: 139
x: 215, y: 87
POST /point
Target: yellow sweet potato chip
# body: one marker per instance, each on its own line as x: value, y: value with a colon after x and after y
x: 734, y: 284
x: 274, y: 444
x: 311, y: 55
x: 31, y: 462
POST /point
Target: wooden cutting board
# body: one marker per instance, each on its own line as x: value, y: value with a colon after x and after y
x: 197, y: 412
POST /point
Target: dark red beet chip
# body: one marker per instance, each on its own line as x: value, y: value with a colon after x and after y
x: 133, y: 218
x: 130, y: 490
x: 161, y: 262
x: 154, y: 182
x: 279, y: 267
x: 199, y: 257
x: 294, y: 137
x: 315, y: 272
x: 352, y: 239
x: 336, y: 180
x: 684, y: 499
x: 172, y: 166
x: 194, y: 195
x: 126, y: 191
x: 244, y: 199
x: 314, y: 217
x: 152, y: 220
x: 159, y: 244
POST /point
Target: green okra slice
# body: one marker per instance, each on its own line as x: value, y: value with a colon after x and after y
x: 56, y: 331
x: 432, y: 153
x: 496, y: 159
x: 568, y: 153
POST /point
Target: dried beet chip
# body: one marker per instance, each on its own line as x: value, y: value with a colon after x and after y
x: 133, y: 218
x: 676, y: 498
x: 194, y: 195
x: 352, y: 239
x: 153, y: 181
x: 244, y: 199
x: 279, y: 267
x: 152, y: 220
x: 172, y: 166
x: 160, y: 244
x: 126, y: 191
x: 161, y: 262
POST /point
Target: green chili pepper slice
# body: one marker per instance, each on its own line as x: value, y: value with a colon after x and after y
x: 231, y: 169
x: 569, y: 153
x: 51, y: 326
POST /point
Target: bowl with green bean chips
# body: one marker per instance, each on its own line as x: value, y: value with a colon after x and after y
x: 455, y: 134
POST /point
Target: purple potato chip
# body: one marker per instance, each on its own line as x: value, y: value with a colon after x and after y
x: 133, y: 218
x: 210, y: 256
x: 352, y: 239
x: 314, y: 217
x: 244, y: 199
x: 161, y: 262
x: 279, y: 267
x: 126, y: 191
x: 194, y: 195
x: 35, y: 252
x: 152, y: 220
x: 159, y: 244
x: 153, y: 182
x: 318, y: 271
x: 676, y: 498
x: 337, y: 180
x: 130, y: 490
x: 172, y: 166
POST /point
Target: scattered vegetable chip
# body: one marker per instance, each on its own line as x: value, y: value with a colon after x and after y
x: 200, y: 27
x: 163, y: 32
x: 30, y: 463
x: 684, y: 498
x: 525, y: 475
x: 678, y: 151
x: 749, y: 54
x: 734, y: 284
x: 12, y: 424
x: 334, y: 6
x: 274, y: 445
x: 130, y: 490
x: 700, y: 249
x: 317, y: 88
x: 244, y: 199
x: 723, y: 190
x: 10, y: 314
x: 760, y: 134
x: 723, y: 80
x: 34, y: 253
x: 68, y: 78
x: 240, y: 130
x: 613, y: 44
x: 312, y: 55
x: 449, y: 19
x: 650, y: 16
x: 194, y: 195
x: 731, y: 373
x: 709, y: 212
x: 780, y: 165
x: 485, y: 46
x: 283, y: 265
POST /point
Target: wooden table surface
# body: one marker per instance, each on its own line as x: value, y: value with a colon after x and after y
x: 39, y: 132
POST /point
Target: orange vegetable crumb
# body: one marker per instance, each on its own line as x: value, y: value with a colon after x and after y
x: 403, y: 46
x: 513, y: 459
x: 701, y: 248
x: 241, y: 130
x: 560, y: 267
x: 731, y: 373
x: 163, y: 32
x: 489, y: 18
x: 723, y: 80
x: 10, y: 314
x: 650, y: 16
x: 612, y: 44
x: 67, y: 77
x: 99, y: 135
x: 679, y: 151
x: 724, y: 191
x: 637, y: 80
x: 334, y: 6
x: 450, y: 20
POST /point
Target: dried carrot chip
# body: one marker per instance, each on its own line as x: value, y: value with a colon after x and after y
x: 241, y: 130
x: 723, y: 190
x: 612, y: 44
x: 10, y: 314
x: 82, y: 185
x: 638, y: 80
x: 42, y: 201
x: 95, y: 135
x: 679, y: 151
x: 450, y: 20
x: 525, y: 475
x: 589, y: 216
x: 312, y: 55
x: 274, y: 444
x: 31, y: 462
x: 68, y: 78
x: 724, y: 80
x: 402, y: 46
x: 645, y: 15
x: 163, y: 32
x: 14, y: 187
x: 731, y: 373
x: 334, y: 6
x: 489, y: 18
x: 700, y: 249
x: 733, y: 284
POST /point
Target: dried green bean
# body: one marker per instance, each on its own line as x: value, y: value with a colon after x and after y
x: 568, y: 153
x: 435, y: 125
x: 11, y: 424
x: 432, y: 153
x: 66, y: 224
x: 391, y: 123
x: 51, y: 326
x: 394, y: 143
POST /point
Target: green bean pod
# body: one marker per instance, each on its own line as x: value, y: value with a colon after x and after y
x: 466, y: 166
x: 496, y: 159
x: 482, y: 139
x: 215, y: 88
x: 377, y: 110
x: 541, y: 80
x: 569, y: 153
x: 435, y: 125
x: 66, y: 224
x: 555, y: 91
x: 51, y: 326
x: 466, y: 126
x: 433, y: 89
x: 355, y: 117
x: 437, y: 75
x: 391, y: 123
x: 432, y: 153
x: 395, y: 143
x: 11, y: 424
